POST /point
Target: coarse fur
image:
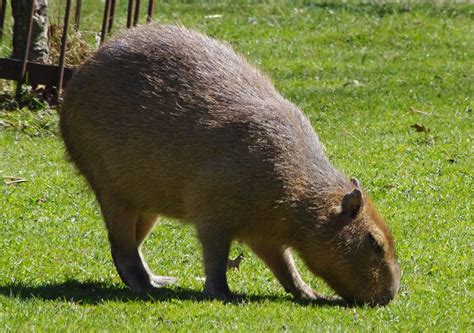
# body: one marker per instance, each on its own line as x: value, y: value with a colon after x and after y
x: 164, y: 120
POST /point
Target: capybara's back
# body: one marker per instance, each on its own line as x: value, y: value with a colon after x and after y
x: 161, y: 113
x: 164, y: 120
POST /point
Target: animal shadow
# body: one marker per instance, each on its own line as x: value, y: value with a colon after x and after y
x: 92, y: 293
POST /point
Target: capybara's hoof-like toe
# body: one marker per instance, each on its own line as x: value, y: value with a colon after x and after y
x: 141, y: 288
x: 328, y: 300
x: 161, y: 281
x: 223, y: 296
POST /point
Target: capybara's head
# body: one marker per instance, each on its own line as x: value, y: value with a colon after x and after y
x: 354, y: 252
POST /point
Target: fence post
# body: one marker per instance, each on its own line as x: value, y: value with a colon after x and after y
x: 105, y: 20
x: 77, y: 15
x: 151, y: 10
x: 62, y: 55
x: 29, y: 26
x: 129, y: 13
x: 3, y: 9
x: 137, y: 13
x: 111, y: 16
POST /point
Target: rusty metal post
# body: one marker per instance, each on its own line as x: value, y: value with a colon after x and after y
x: 62, y: 55
x: 111, y: 16
x: 77, y: 15
x: 3, y: 9
x: 21, y: 76
x: 105, y: 20
x: 137, y: 13
x: 129, y: 13
x: 151, y: 10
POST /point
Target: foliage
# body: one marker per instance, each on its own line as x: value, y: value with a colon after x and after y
x: 77, y: 46
x: 31, y: 115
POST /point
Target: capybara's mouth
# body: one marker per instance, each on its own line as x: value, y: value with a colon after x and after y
x: 379, y: 300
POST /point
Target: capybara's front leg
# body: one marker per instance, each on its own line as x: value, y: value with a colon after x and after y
x: 281, y: 263
x: 215, y: 246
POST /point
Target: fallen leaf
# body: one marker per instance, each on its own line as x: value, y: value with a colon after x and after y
x: 252, y: 20
x: 355, y: 83
x: 413, y: 110
x: 356, y: 316
x: 235, y: 263
x: 420, y: 128
x: 213, y: 16
x: 10, y: 180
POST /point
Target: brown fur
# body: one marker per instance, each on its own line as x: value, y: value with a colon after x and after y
x: 164, y: 120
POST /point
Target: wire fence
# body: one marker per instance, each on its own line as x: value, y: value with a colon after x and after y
x: 56, y: 76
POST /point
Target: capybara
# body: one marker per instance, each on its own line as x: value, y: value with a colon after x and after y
x: 166, y: 121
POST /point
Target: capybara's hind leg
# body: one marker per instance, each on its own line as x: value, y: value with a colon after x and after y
x: 121, y: 221
x: 145, y: 224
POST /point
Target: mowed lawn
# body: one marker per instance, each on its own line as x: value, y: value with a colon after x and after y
x: 368, y: 76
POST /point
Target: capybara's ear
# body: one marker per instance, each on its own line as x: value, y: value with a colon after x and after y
x: 352, y: 203
x: 355, y: 182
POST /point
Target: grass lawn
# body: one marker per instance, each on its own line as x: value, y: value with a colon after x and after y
x: 364, y: 74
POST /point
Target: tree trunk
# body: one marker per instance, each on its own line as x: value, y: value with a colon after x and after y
x: 39, y: 51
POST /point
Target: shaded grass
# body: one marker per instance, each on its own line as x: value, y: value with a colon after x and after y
x: 364, y: 74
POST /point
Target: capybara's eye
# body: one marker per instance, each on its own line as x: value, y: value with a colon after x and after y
x: 375, y: 244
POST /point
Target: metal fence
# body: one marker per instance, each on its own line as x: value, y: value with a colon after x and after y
x: 55, y: 76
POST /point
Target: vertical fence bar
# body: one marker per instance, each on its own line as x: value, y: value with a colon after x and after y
x: 21, y: 76
x: 62, y: 55
x: 3, y: 10
x: 137, y: 13
x: 77, y: 15
x: 129, y: 13
x: 151, y: 10
x: 111, y: 17
x: 105, y: 20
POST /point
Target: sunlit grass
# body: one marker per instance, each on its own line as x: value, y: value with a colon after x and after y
x: 364, y: 74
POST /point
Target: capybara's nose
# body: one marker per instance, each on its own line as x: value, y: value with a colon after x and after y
x: 388, y: 294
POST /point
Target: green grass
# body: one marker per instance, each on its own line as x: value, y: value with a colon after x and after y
x: 363, y: 73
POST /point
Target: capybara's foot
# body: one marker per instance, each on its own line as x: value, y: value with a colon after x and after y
x: 161, y: 281
x: 141, y: 281
x: 222, y: 294
x: 308, y: 294
x: 136, y: 278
